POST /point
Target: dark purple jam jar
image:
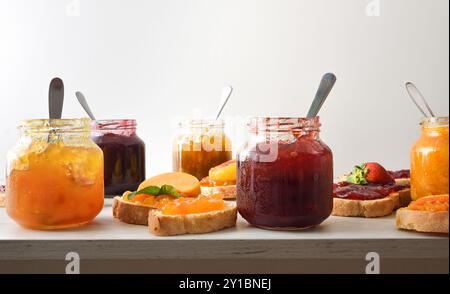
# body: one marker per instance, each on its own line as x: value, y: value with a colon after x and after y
x: 124, y: 155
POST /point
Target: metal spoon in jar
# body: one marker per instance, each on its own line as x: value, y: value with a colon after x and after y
x: 226, y: 93
x: 56, y: 98
x: 84, y: 104
x: 55, y: 103
x: 416, y: 96
x: 327, y: 83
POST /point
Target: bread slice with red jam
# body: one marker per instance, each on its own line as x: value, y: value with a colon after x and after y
x: 370, y: 191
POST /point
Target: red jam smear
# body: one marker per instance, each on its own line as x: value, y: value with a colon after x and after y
x: 400, y: 174
x: 292, y: 192
x: 345, y: 190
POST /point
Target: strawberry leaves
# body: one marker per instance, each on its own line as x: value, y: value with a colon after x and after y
x: 358, y: 175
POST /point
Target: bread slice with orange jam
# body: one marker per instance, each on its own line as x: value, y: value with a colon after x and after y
x: 221, y: 180
x: 162, y: 224
x: 130, y: 212
x: 428, y: 215
x: 135, y: 211
x: 168, y: 210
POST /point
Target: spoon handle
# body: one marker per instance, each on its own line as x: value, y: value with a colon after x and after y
x: 415, y: 94
x: 84, y: 104
x: 327, y: 83
x: 226, y: 93
x: 55, y: 98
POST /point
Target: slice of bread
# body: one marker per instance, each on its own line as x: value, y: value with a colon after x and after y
x: 422, y: 221
x: 198, y: 223
x: 371, y: 208
x: 2, y: 199
x: 130, y: 213
x: 228, y: 192
x: 2, y: 195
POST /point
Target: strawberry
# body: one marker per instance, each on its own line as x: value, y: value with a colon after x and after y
x: 370, y: 173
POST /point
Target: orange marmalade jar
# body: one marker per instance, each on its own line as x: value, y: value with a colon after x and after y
x: 429, y: 159
x: 54, y: 175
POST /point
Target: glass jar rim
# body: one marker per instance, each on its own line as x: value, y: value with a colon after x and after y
x: 114, y: 124
x: 438, y: 121
x: 201, y: 123
x: 284, y: 124
x: 49, y: 125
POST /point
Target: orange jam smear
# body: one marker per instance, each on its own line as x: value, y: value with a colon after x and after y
x: 200, y: 204
x: 430, y: 203
x: 208, y: 182
x: 221, y: 175
x: 147, y: 200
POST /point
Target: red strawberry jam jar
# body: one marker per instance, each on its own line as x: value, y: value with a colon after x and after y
x: 285, y: 174
x: 124, y: 154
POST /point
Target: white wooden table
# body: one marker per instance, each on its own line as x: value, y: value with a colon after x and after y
x: 339, y: 245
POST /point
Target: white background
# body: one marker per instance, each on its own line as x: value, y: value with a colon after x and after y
x: 157, y: 59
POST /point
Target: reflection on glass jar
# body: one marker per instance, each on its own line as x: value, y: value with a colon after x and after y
x: 285, y: 174
x: 124, y: 154
x: 54, y: 175
x: 201, y: 145
x: 429, y: 159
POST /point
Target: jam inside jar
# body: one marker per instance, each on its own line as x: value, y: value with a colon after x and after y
x: 285, y: 174
x: 429, y: 159
x: 124, y: 154
x: 54, y: 175
x: 201, y: 145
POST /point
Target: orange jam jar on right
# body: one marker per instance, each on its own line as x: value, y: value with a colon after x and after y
x: 429, y: 159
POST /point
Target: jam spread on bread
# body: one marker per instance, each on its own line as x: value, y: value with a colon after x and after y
x: 345, y: 190
x: 208, y: 182
x: 430, y: 203
x: 184, y: 205
x: 400, y: 174
x: 370, y: 181
x: 221, y: 175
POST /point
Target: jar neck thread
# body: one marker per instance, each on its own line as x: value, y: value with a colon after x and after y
x: 296, y: 126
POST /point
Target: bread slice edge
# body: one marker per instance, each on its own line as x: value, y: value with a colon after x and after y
x: 229, y: 192
x: 422, y: 221
x: 130, y: 213
x: 371, y: 208
x: 199, y: 223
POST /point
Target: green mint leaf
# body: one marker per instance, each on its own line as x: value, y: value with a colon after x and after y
x: 156, y: 191
x: 151, y: 190
x: 169, y: 190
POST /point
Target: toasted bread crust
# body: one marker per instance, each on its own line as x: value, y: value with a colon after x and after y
x: 2, y: 199
x: 130, y: 213
x: 229, y: 192
x: 422, y: 221
x: 199, y: 223
x: 404, y: 181
x: 371, y: 208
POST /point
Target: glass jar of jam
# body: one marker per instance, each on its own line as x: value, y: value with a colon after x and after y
x: 124, y: 154
x: 54, y: 175
x: 285, y: 174
x: 201, y: 145
x: 429, y: 159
